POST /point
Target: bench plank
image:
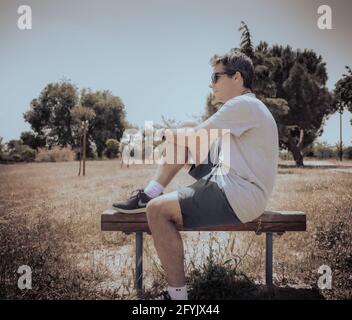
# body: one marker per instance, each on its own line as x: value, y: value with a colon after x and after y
x: 269, y: 221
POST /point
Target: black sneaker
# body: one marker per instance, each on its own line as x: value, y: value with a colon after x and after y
x: 136, y: 204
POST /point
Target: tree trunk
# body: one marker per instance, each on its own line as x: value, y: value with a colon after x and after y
x: 296, y: 152
x: 297, y: 155
x: 340, y: 151
x: 80, y: 153
x: 84, y: 147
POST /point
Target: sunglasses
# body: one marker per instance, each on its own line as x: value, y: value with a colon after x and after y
x: 216, y: 75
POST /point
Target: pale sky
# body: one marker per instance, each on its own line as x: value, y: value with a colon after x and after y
x: 154, y: 54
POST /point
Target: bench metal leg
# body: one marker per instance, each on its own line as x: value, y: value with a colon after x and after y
x: 269, y: 258
x: 139, y: 261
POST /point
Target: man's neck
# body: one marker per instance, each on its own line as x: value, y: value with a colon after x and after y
x: 246, y: 90
x: 241, y: 92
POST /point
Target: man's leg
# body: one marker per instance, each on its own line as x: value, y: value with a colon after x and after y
x: 166, y: 172
x: 163, y: 214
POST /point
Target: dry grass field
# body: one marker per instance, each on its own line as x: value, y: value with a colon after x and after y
x: 50, y: 221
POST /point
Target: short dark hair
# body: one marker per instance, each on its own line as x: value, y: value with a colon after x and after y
x: 233, y: 61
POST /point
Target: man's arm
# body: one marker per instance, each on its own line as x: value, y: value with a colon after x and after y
x: 196, y: 137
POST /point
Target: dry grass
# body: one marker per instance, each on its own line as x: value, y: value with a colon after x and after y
x: 55, y: 154
x: 50, y: 220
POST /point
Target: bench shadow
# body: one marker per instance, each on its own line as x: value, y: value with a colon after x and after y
x: 251, y: 292
x: 262, y: 292
x: 312, y: 166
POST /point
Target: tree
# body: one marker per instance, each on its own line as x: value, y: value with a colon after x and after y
x: 1, y: 148
x: 343, y: 99
x: 293, y: 85
x: 210, y: 106
x: 17, y: 151
x: 12, y: 144
x: 246, y: 40
x: 81, y: 117
x: 112, y: 148
x: 343, y: 91
x: 57, y: 113
x: 309, y: 101
x: 27, y: 153
x: 109, y: 121
x: 50, y: 113
x: 33, y: 140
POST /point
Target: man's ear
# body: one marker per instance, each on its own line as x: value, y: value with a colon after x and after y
x: 237, y: 76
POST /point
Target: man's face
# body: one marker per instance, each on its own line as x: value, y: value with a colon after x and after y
x: 226, y: 87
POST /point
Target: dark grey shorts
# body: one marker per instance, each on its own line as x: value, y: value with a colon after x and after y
x: 203, y: 203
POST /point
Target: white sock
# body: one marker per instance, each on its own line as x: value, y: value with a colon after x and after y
x: 179, y: 293
x: 153, y: 189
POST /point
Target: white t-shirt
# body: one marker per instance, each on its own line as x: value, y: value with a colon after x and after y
x: 247, y: 169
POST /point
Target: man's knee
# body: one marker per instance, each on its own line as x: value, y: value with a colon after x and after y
x: 159, y: 210
x: 154, y: 210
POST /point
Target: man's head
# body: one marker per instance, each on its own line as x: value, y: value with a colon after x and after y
x: 233, y: 73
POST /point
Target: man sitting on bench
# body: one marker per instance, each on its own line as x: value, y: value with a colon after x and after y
x: 229, y: 191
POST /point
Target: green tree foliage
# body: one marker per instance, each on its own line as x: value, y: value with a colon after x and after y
x: 210, y: 106
x: 50, y: 113
x: 1, y: 148
x: 300, y: 79
x: 27, y: 153
x: 32, y: 140
x: 17, y: 152
x: 56, y: 116
x: 12, y: 144
x: 79, y: 115
x: 246, y: 40
x: 348, y: 152
x: 112, y: 148
x: 343, y: 92
x: 292, y: 83
x: 324, y: 150
x: 109, y: 121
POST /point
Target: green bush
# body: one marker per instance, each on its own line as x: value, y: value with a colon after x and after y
x: 14, y: 157
x: 347, y: 153
x: 18, y: 153
x: 324, y: 150
x: 32, y: 139
x: 1, y: 148
x: 112, y: 148
x: 27, y: 153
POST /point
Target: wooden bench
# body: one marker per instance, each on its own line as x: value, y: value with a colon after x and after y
x: 269, y: 222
